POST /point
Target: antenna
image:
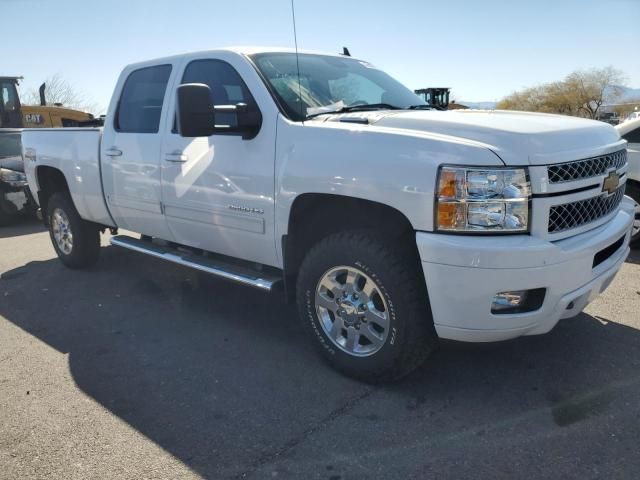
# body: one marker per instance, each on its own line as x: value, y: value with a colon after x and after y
x: 295, y: 39
x: 345, y: 52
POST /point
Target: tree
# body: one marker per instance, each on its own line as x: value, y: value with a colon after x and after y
x: 587, y: 88
x: 58, y: 90
x: 581, y: 93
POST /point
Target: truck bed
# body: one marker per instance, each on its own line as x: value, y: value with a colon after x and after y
x: 76, y: 153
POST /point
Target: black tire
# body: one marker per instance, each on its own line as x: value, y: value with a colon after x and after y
x: 8, y: 212
x: 86, y: 235
x: 633, y: 190
x: 6, y: 219
x: 411, y: 336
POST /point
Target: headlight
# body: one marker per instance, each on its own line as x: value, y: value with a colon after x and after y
x: 13, y: 178
x: 482, y: 200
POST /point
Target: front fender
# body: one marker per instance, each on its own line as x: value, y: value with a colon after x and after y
x: 390, y: 166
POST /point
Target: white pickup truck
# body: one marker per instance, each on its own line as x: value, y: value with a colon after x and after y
x: 392, y: 225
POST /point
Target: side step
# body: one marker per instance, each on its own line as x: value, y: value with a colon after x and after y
x: 212, y: 265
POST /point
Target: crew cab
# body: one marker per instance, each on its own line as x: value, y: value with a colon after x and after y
x: 390, y: 223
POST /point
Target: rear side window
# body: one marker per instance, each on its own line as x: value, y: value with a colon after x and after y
x: 140, y: 104
x: 633, y: 136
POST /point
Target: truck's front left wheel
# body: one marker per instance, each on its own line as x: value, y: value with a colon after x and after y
x: 364, y: 301
x: 76, y: 241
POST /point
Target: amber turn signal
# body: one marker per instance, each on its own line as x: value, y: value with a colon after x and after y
x: 447, y: 184
x: 450, y: 215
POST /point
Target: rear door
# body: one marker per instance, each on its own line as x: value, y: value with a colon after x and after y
x: 131, y: 148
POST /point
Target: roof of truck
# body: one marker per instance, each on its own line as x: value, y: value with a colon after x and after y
x: 242, y: 50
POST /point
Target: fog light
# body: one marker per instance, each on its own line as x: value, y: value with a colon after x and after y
x: 518, y: 301
x: 508, y: 300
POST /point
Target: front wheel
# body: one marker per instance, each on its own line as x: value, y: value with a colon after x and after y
x: 365, y: 303
x: 76, y: 241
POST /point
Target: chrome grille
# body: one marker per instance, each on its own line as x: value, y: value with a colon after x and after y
x: 590, y: 167
x: 575, y: 214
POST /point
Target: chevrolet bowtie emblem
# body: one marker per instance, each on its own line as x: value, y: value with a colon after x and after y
x: 611, y: 183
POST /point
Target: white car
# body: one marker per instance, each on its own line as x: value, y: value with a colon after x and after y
x: 391, y: 224
x: 630, y: 131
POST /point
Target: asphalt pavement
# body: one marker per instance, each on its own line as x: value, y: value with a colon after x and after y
x: 142, y: 369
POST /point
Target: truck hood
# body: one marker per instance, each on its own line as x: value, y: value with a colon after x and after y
x: 518, y: 138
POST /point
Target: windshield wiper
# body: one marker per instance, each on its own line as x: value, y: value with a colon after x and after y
x: 357, y: 108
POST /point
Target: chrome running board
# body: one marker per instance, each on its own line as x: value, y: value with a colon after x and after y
x: 208, y: 264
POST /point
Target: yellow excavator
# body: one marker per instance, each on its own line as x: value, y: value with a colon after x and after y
x: 15, y: 115
x: 15, y: 198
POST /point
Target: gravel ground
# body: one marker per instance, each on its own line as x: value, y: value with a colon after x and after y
x: 141, y: 369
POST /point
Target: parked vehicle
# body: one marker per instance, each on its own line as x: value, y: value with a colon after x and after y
x: 15, y: 197
x: 437, y: 98
x: 391, y: 223
x: 630, y: 131
x: 15, y: 115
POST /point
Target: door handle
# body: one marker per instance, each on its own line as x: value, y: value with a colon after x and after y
x: 113, y: 152
x: 176, y: 157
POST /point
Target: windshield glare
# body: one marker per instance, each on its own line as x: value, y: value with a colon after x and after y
x: 329, y: 83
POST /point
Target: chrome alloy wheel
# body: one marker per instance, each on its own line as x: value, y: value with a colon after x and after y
x: 62, y: 231
x: 352, y: 311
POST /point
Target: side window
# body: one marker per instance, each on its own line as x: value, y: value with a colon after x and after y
x: 141, y: 100
x: 227, y: 87
x: 8, y: 101
x: 633, y: 136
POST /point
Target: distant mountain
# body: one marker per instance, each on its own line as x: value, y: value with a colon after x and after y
x: 628, y: 95
x: 478, y: 105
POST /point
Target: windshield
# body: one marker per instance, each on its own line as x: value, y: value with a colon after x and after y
x: 329, y: 83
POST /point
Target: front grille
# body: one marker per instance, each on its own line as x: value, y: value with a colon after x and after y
x: 590, y: 167
x: 575, y: 214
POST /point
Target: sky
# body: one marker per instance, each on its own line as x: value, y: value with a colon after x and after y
x: 483, y: 49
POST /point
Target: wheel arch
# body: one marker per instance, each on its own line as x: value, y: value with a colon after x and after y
x: 50, y: 180
x: 315, y: 215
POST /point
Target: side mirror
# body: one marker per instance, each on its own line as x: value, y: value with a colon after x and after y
x: 195, y: 112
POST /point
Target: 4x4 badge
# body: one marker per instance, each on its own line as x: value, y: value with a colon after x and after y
x: 611, y: 183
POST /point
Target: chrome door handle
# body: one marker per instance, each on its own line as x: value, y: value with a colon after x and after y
x: 176, y: 157
x: 113, y: 152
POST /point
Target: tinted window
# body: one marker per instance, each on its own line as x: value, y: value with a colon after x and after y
x: 141, y: 100
x: 633, y: 136
x: 227, y: 87
x: 8, y: 98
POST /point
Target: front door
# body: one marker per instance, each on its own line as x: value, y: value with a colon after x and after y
x: 218, y: 191
x: 131, y: 153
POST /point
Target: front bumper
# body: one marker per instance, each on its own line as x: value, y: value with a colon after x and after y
x: 464, y: 273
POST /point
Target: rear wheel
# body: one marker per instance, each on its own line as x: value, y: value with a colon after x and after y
x: 365, y: 304
x: 76, y: 241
